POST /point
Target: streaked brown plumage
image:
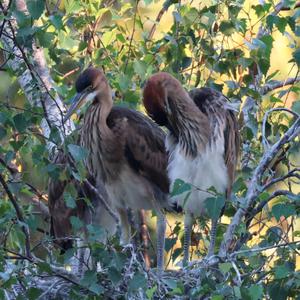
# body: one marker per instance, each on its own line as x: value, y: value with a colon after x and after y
x: 126, y: 152
x: 203, y: 142
x: 222, y: 117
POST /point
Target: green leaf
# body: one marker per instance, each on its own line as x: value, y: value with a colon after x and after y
x: 281, y: 24
x: 171, y: 283
x: 120, y: 37
x: 77, y: 152
x: 245, y: 62
x: 278, y: 291
x: 72, y: 6
x: 35, y: 8
x: 283, y: 270
x: 261, y: 9
x: 268, y: 41
x: 217, y: 297
x: 150, y: 292
x: 186, y: 62
x: 124, y: 82
x: 295, y: 107
x: 44, y: 267
x: 264, y: 65
x: 114, y: 275
x: 69, y: 200
x: 55, y: 135
x: 170, y: 243
x: 33, y: 293
x: 96, y: 288
x: 76, y: 223
x: 225, y: 267
x: 56, y: 21
x: 89, y: 278
x: 137, y: 282
x: 227, y: 27
x: 45, y: 38
x: 254, y: 292
x: 214, y: 206
x: 69, y: 254
x: 2, y: 133
x: 296, y: 56
x: 180, y: 187
x: 283, y: 209
x: 140, y: 68
x: 96, y: 232
x: 66, y: 41
x: 20, y: 122
x: 108, y: 37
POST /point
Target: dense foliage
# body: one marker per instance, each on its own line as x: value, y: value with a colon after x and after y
x: 226, y: 45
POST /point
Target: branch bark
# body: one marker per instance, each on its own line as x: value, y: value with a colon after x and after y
x: 278, y: 84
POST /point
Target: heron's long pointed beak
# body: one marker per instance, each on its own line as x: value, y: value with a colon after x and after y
x: 76, y: 102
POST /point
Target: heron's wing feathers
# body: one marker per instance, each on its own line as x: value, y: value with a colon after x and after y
x: 144, y: 146
x: 232, y: 146
x: 222, y: 117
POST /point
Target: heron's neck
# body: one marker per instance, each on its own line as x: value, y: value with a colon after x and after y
x: 188, y: 123
x: 104, y: 105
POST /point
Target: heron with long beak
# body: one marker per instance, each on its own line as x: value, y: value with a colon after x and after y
x: 203, y: 143
x: 126, y: 152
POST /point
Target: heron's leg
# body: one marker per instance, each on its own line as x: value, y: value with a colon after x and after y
x: 125, y: 227
x: 144, y: 235
x: 161, y: 230
x: 83, y: 257
x: 188, y: 223
x: 213, y: 232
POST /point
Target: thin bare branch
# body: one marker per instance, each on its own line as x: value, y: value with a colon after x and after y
x: 101, y: 199
x: 275, y: 194
x: 157, y: 20
x: 290, y: 174
x: 278, y: 84
x: 132, y: 34
x: 264, y: 139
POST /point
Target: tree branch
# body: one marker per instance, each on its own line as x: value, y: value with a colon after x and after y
x: 282, y: 178
x: 262, y: 204
x: 254, y: 187
x: 264, y: 139
x: 278, y: 84
x: 39, y: 93
x: 101, y: 199
x: 157, y: 20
